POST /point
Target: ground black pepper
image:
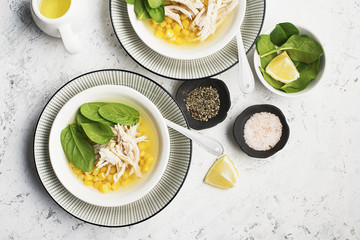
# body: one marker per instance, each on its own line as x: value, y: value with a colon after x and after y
x: 203, y: 103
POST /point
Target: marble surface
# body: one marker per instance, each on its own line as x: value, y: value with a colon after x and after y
x: 310, y: 190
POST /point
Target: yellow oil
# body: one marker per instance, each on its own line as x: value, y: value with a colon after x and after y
x: 54, y: 8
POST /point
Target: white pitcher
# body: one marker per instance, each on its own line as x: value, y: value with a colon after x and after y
x: 65, y: 27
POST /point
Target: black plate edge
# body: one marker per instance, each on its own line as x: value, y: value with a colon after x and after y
x: 186, y: 79
x: 36, y: 127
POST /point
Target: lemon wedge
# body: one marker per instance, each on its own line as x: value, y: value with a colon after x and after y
x: 282, y: 69
x: 222, y: 173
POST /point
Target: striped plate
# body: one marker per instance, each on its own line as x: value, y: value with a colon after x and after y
x: 185, y: 69
x: 158, y: 198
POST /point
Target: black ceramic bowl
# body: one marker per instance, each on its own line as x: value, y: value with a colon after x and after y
x: 224, y: 96
x: 238, y: 130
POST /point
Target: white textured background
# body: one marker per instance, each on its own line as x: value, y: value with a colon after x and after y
x: 310, y: 190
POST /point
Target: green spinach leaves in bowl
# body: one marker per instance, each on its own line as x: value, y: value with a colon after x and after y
x: 302, y: 47
x: 93, y: 123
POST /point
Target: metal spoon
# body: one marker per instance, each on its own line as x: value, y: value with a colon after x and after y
x: 211, y: 145
x: 246, y: 77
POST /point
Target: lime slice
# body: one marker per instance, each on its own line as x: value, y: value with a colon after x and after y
x: 222, y: 173
x: 282, y: 68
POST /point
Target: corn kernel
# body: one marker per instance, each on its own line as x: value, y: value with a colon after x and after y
x: 102, y: 176
x: 168, y: 20
x: 142, y: 154
x: 141, y: 162
x: 149, y: 160
x: 169, y: 33
x: 96, y: 179
x: 88, y: 182
x: 103, y: 169
x: 159, y: 34
x: 185, y: 23
x: 179, y: 41
x: 177, y: 27
x: 95, y: 172
x: 161, y: 29
x: 147, y: 155
x: 183, y: 17
x: 185, y: 32
x: 163, y: 24
x: 126, y: 182
x: 141, y: 128
x: 110, y: 178
x: 77, y: 171
x: 142, y: 145
x: 168, y: 26
x: 88, y: 177
x: 192, y: 35
x: 114, y: 186
x: 81, y: 176
x: 103, y: 188
x: 146, y: 168
x: 97, y: 184
x: 113, y: 170
x: 125, y: 175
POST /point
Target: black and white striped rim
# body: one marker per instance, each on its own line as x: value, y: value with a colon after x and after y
x: 185, y: 69
x: 158, y: 198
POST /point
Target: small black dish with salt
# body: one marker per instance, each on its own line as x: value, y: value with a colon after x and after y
x: 213, y: 92
x: 239, y: 130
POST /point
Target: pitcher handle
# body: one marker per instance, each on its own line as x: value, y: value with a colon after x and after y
x: 71, y: 41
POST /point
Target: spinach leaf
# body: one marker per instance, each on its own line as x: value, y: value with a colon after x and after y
x: 132, y: 2
x: 296, y: 63
x: 307, y: 72
x: 158, y: 13
x: 282, y: 32
x: 120, y: 113
x: 274, y: 83
x: 98, y: 132
x: 140, y: 10
x: 90, y: 111
x: 263, y: 45
x: 81, y: 119
x: 77, y: 149
x: 154, y: 4
x: 300, y: 49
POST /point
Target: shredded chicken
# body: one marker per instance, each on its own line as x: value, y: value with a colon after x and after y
x: 206, y: 18
x: 121, y: 151
x: 174, y: 8
x: 190, y: 4
x: 173, y: 15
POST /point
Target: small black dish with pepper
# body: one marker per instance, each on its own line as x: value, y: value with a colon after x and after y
x: 204, y: 102
x: 239, y: 129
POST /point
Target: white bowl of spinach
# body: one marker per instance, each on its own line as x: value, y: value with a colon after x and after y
x: 304, y: 49
x: 73, y: 136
